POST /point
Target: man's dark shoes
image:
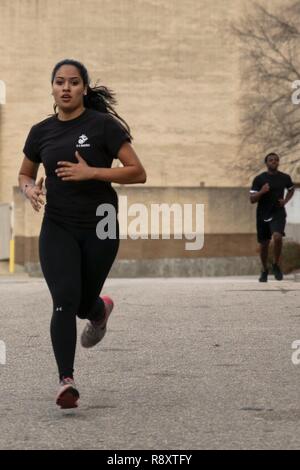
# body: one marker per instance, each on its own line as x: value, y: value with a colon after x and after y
x: 277, y: 272
x: 264, y: 276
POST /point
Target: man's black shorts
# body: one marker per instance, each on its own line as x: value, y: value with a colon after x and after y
x: 265, y: 230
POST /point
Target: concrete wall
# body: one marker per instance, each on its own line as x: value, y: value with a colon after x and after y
x: 230, y: 245
x: 229, y: 234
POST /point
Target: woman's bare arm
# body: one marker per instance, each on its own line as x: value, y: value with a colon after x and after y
x: 132, y: 171
x: 27, y: 176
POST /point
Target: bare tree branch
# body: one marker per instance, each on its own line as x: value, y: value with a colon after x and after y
x: 271, y: 63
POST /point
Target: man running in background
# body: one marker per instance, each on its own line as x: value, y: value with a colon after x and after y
x: 268, y: 191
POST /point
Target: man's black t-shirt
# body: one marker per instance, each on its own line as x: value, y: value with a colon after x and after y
x: 97, y: 137
x: 268, y: 206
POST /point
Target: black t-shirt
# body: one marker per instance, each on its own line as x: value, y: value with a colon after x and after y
x: 97, y: 137
x: 268, y: 205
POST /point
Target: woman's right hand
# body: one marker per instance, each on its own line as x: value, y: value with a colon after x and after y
x: 35, y: 193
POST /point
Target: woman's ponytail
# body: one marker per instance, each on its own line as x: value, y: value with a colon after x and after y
x: 103, y: 99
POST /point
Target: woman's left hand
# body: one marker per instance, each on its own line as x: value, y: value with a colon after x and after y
x: 80, y: 171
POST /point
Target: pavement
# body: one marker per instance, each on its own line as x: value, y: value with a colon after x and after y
x: 198, y: 363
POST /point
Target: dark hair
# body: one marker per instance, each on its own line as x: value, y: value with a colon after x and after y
x: 99, y: 98
x: 272, y: 154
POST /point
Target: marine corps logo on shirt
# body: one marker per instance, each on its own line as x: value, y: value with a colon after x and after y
x: 81, y: 141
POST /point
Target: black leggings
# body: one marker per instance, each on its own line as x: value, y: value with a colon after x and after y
x: 75, y: 264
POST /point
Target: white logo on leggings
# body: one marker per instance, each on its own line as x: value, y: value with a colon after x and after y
x: 58, y: 309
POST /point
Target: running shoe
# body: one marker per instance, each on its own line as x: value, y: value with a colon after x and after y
x: 68, y: 395
x: 264, y: 276
x: 94, y: 331
x: 277, y: 272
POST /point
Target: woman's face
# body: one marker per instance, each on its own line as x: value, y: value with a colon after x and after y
x: 68, y: 88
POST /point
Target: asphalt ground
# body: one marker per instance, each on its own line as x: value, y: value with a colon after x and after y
x: 186, y: 364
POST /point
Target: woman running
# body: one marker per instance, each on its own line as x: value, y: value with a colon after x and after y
x: 77, y: 146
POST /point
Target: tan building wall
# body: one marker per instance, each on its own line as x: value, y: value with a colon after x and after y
x: 174, y: 65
